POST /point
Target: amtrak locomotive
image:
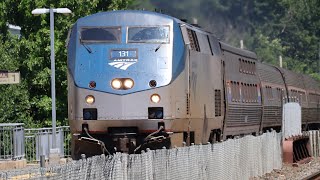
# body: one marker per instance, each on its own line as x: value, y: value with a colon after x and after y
x: 139, y: 79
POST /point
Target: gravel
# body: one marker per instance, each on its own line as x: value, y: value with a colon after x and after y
x: 293, y: 171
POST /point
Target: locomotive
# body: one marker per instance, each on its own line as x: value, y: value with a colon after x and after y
x: 140, y: 79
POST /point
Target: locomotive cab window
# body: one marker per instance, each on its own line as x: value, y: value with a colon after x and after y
x: 100, y: 34
x: 156, y: 35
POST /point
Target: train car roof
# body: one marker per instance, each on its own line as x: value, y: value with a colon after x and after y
x: 238, y: 51
x: 269, y: 73
x: 310, y: 83
x: 292, y: 78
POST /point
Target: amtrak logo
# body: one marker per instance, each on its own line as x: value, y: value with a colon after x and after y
x: 123, y: 64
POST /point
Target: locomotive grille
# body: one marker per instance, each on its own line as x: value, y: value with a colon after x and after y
x: 193, y: 40
x: 217, y: 102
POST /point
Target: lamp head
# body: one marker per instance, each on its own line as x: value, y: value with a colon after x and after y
x: 64, y: 11
x: 39, y: 11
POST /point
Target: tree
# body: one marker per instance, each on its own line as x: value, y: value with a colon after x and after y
x: 32, y: 54
x: 15, y: 104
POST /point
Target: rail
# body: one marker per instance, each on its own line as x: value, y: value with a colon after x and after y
x: 314, y: 176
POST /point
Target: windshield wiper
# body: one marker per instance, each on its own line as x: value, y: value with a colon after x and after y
x: 85, y: 45
x: 159, y: 46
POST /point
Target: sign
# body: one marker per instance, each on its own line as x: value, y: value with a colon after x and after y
x: 9, y: 77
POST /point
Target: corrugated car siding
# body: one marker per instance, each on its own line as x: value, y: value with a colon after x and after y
x: 236, y: 115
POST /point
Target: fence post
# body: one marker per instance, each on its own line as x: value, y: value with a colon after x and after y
x: 42, y: 161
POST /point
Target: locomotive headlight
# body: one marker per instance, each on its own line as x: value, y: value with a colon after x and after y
x: 155, y: 98
x: 90, y: 99
x: 128, y: 83
x: 116, y: 84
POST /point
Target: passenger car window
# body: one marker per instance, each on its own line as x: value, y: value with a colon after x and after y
x: 100, y: 34
x: 148, y: 34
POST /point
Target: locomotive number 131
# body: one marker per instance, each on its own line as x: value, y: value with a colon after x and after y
x: 123, y: 53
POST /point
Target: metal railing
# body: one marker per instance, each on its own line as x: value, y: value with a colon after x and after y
x: 11, y: 141
x: 39, y: 142
x: 17, y: 142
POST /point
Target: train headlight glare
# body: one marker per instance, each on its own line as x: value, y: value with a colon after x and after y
x: 116, y: 84
x: 155, y: 98
x: 90, y: 99
x: 128, y: 83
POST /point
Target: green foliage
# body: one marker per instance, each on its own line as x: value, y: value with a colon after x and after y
x: 270, y: 27
x: 270, y: 50
x: 15, y: 104
x: 30, y: 101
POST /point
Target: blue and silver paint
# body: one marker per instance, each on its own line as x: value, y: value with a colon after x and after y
x: 144, y: 62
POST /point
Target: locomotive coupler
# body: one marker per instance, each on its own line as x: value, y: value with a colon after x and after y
x: 124, y: 139
x: 125, y: 142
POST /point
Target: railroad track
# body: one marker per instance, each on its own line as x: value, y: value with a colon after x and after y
x: 314, y: 176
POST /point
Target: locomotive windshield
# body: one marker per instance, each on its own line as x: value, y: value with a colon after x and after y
x: 148, y: 34
x: 101, y: 34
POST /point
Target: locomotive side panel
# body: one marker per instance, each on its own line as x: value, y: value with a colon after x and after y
x: 205, y: 107
x: 205, y: 88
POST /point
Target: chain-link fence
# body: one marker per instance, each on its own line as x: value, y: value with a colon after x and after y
x: 233, y: 159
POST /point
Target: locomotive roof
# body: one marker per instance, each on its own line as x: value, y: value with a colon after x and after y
x: 238, y: 51
x: 92, y: 16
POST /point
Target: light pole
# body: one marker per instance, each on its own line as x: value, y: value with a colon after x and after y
x: 39, y: 11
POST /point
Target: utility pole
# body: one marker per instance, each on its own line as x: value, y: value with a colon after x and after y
x: 280, y: 61
x: 241, y: 44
